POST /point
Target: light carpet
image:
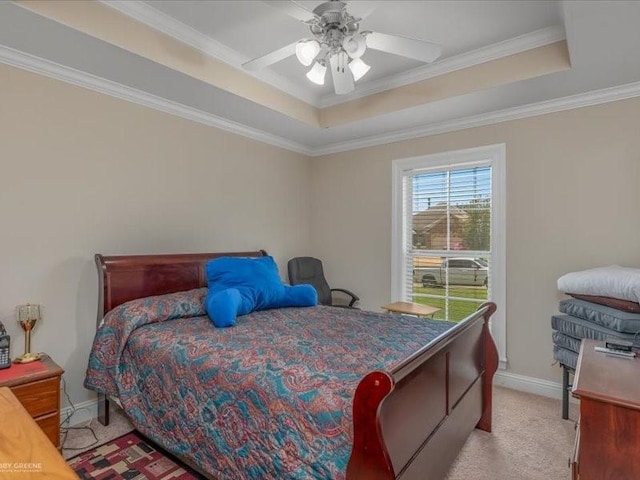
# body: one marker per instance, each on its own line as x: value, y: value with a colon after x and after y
x: 529, y: 440
x: 80, y: 439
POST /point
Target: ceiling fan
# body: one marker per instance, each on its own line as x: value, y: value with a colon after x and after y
x: 339, y: 44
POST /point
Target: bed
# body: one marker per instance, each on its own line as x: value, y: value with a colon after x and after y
x: 406, y: 420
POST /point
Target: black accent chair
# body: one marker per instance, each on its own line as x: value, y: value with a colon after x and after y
x: 309, y: 270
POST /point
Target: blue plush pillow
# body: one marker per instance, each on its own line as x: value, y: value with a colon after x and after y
x: 241, y: 285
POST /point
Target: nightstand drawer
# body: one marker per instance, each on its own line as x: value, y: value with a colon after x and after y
x: 39, y: 398
x: 50, y: 426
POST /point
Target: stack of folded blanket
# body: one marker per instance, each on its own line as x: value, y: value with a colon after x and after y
x: 605, y: 304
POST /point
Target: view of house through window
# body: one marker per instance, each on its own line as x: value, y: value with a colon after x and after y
x: 447, y: 230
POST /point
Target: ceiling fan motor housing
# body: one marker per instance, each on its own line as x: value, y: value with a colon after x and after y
x: 334, y: 27
x: 331, y: 8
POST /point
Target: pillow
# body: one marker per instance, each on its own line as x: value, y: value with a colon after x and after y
x: 241, y: 285
x: 613, y: 281
x: 624, y: 305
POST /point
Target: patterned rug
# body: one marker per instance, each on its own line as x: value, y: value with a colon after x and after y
x: 130, y: 457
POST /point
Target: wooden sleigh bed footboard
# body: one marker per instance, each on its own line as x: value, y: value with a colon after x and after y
x: 412, y: 422
x: 409, y: 423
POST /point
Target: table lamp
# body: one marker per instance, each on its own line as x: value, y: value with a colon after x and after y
x: 28, y: 315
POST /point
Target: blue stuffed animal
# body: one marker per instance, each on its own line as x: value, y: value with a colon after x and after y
x: 241, y: 285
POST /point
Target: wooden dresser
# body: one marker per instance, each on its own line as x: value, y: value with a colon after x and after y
x: 39, y: 393
x: 608, y: 433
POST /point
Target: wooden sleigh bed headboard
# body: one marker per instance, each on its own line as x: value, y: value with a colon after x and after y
x: 409, y: 423
x: 127, y: 277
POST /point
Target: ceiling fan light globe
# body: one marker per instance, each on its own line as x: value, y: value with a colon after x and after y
x: 307, y: 51
x: 317, y: 73
x: 354, y: 45
x: 358, y: 68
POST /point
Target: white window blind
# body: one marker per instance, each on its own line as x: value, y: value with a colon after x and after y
x: 448, y: 234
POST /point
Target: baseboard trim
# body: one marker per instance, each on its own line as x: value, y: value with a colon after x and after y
x: 84, y: 412
x: 523, y: 383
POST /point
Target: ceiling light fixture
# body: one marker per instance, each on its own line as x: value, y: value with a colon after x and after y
x: 358, y: 68
x: 317, y: 73
x: 354, y: 45
x: 338, y: 42
x: 334, y: 48
x: 306, y: 51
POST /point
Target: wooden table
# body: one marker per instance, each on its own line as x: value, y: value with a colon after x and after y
x: 25, y: 451
x: 608, y: 438
x: 409, y: 308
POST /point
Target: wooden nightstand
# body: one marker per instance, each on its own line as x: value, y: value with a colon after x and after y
x: 38, y: 389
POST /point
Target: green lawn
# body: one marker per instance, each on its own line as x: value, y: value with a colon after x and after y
x: 454, y: 291
x: 458, y: 309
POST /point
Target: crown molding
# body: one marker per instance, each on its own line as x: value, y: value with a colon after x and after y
x: 70, y: 75
x: 570, y: 102
x: 160, y: 21
x: 50, y: 69
x: 522, y: 43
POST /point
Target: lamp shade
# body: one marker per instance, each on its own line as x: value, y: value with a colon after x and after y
x: 306, y: 51
x: 358, y: 68
x: 28, y: 313
x: 355, y: 45
x: 317, y: 73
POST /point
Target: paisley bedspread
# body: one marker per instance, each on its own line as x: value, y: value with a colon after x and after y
x: 270, y: 398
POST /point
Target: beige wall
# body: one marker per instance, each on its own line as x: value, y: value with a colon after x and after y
x: 573, y: 192
x: 82, y: 173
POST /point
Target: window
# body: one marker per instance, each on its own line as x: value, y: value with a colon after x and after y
x: 448, y: 236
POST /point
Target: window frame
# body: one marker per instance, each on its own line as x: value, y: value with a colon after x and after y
x: 494, y: 155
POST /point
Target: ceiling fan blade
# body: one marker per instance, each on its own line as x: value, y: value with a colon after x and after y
x: 404, y: 46
x: 293, y: 9
x: 342, y: 77
x: 270, y: 58
x: 362, y: 9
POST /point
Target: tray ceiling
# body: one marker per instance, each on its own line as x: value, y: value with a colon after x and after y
x: 185, y: 56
